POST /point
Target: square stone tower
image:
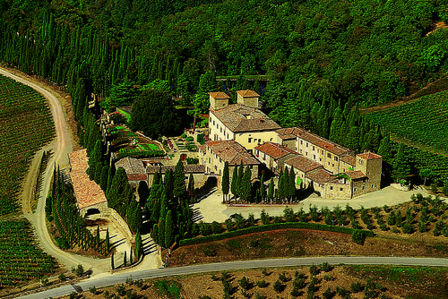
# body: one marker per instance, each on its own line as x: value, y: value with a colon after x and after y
x: 371, y: 165
x: 218, y: 100
x: 248, y: 98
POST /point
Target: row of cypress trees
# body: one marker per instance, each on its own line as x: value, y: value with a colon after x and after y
x: 61, y: 208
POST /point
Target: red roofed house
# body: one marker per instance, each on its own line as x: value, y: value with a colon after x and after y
x: 216, y: 153
x: 273, y: 155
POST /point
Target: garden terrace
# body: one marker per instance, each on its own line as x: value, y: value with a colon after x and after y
x: 26, y: 125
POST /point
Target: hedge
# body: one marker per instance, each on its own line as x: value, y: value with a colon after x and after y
x: 272, y: 226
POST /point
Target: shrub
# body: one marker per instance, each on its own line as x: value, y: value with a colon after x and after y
x: 421, y: 226
x: 264, y: 217
x: 208, y: 250
x: 328, y: 294
x: 356, y: 287
x: 62, y: 277
x: 383, y: 227
x: 200, y: 138
x: 265, y: 272
x: 216, y: 227
x: 262, y: 284
x: 326, y: 267
x: 79, y: 270
x: 314, y: 270
x: 283, y: 277
x: 205, y: 228
x: 229, y: 225
x: 358, y: 236
x: 192, y: 160
x: 299, y: 283
x: 295, y: 293
x: 245, y: 283
x: 259, y: 296
x: 278, y: 286
x: 341, y: 291
x: 328, y: 277
x: 408, y: 228
x: 92, y: 290
x: 251, y: 220
x: 288, y: 213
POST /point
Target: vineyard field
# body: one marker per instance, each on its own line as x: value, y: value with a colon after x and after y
x: 424, y: 121
x: 26, y: 125
x: 22, y: 261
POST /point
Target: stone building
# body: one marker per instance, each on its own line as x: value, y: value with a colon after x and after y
x: 273, y: 155
x: 329, y: 168
x: 216, y: 153
x: 198, y: 172
x: 247, y: 125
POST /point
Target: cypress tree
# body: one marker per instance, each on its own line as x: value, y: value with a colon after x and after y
x: 138, y: 244
x: 169, y: 229
x: 240, y: 178
x: 169, y: 184
x: 246, y: 186
x: 225, y: 181
x: 292, y: 183
x: 112, y: 265
x: 234, y: 186
x: 125, y: 259
x: 155, y: 233
x: 103, y: 177
x: 191, y: 185
x: 107, y: 240
x: 401, y: 167
x: 271, y: 189
x: 262, y: 192
x: 161, y: 233
x: 97, y: 237
x: 179, y: 180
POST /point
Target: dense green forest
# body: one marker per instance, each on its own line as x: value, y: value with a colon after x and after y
x: 319, y: 60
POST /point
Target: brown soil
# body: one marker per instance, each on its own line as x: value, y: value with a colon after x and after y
x: 299, y: 242
x: 437, y: 26
x: 389, y: 282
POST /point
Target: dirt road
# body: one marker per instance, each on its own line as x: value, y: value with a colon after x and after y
x: 61, y: 146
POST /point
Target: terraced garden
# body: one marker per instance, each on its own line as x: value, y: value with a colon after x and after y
x: 424, y: 121
x: 26, y: 125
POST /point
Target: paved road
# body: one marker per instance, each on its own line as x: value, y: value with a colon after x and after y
x: 101, y: 282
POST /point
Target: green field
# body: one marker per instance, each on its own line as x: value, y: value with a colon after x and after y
x: 21, y: 260
x: 424, y: 121
x: 26, y: 125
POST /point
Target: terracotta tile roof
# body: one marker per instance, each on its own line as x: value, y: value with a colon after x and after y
x: 321, y: 176
x: 302, y: 163
x: 349, y: 159
x: 354, y: 175
x: 219, y: 95
x: 87, y: 192
x: 369, y: 156
x: 274, y: 150
x: 137, y: 177
x: 231, y: 152
x: 248, y: 93
x: 240, y: 118
x: 287, y: 133
x: 189, y: 168
x: 319, y: 141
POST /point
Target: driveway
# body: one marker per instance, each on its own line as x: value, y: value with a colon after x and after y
x: 212, y: 209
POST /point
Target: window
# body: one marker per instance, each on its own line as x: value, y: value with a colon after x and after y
x: 328, y: 155
x: 360, y: 161
x: 336, y: 158
x: 314, y: 157
x: 314, y: 148
x: 300, y: 151
x: 341, y: 189
x: 249, y: 140
x: 264, y: 156
x: 343, y: 170
x: 307, y: 144
x: 332, y: 164
x: 331, y: 187
x: 328, y: 163
x: 355, y: 189
x: 373, y: 186
x: 271, y: 139
x: 301, y: 141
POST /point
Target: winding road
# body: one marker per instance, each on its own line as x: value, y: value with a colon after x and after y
x: 101, y: 282
x: 100, y: 267
x: 61, y: 146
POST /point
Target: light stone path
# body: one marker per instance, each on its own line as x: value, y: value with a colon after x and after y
x: 211, y: 208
